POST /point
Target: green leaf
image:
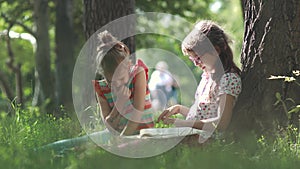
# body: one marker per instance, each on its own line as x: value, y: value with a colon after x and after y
x: 290, y: 99
x: 278, y: 96
x: 295, y: 110
x: 277, y: 102
x: 289, y: 79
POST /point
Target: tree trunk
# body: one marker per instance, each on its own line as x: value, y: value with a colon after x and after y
x: 99, y: 13
x: 64, y: 39
x: 16, y: 69
x: 5, y: 88
x: 271, y: 47
x: 42, y: 57
x: 4, y: 85
x: 19, y: 85
x: 37, y: 94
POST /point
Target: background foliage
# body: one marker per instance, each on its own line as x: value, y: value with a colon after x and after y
x: 24, y: 46
x: 31, y: 128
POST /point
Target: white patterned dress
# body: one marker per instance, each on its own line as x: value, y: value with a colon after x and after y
x: 208, y: 99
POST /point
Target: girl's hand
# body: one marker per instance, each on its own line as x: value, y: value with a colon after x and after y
x: 123, y: 93
x: 112, y: 122
x: 169, y: 112
x: 111, y: 117
x: 169, y: 121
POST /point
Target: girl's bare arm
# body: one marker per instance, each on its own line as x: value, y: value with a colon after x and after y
x: 223, y: 119
x: 220, y: 122
x: 110, y: 116
x: 176, y: 109
x: 138, y: 103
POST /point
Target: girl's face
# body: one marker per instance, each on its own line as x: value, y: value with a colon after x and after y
x: 196, y: 59
x: 209, y: 61
x: 206, y: 61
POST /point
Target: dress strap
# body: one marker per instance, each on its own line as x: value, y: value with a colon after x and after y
x: 98, y: 88
x: 139, y: 63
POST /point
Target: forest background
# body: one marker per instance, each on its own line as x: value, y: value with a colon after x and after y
x: 37, y: 61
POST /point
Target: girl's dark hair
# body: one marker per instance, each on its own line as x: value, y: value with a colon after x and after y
x: 110, y: 53
x: 207, y: 36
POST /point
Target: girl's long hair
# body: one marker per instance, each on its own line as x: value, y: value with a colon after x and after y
x: 207, y: 36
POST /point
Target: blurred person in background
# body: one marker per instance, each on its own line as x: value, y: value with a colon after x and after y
x: 163, y: 87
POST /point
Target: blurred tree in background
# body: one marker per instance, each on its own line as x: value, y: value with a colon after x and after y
x: 14, y: 22
x: 45, y: 78
x: 56, y: 30
x: 64, y: 48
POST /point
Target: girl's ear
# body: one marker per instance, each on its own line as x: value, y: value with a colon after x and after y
x: 218, y: 49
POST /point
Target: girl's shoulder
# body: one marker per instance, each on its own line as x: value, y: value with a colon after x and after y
x: 230, y: 83
x: 100, y: 83
x: 139, y: 67
x: 230, y: 76
x: 101, y: 87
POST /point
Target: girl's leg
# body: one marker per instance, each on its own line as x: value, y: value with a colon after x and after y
x: 100, y: 137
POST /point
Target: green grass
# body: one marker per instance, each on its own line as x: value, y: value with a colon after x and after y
x: 29, y: 129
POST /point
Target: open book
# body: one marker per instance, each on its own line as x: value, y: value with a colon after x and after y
x: 171, y: 132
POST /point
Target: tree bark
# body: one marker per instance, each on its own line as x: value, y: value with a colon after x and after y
x: 271, y: 47
x: 42, y: 57
x: 99, y: 13
x: 64, y: 39
x: 16, y: 69
x: 4, y: 85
